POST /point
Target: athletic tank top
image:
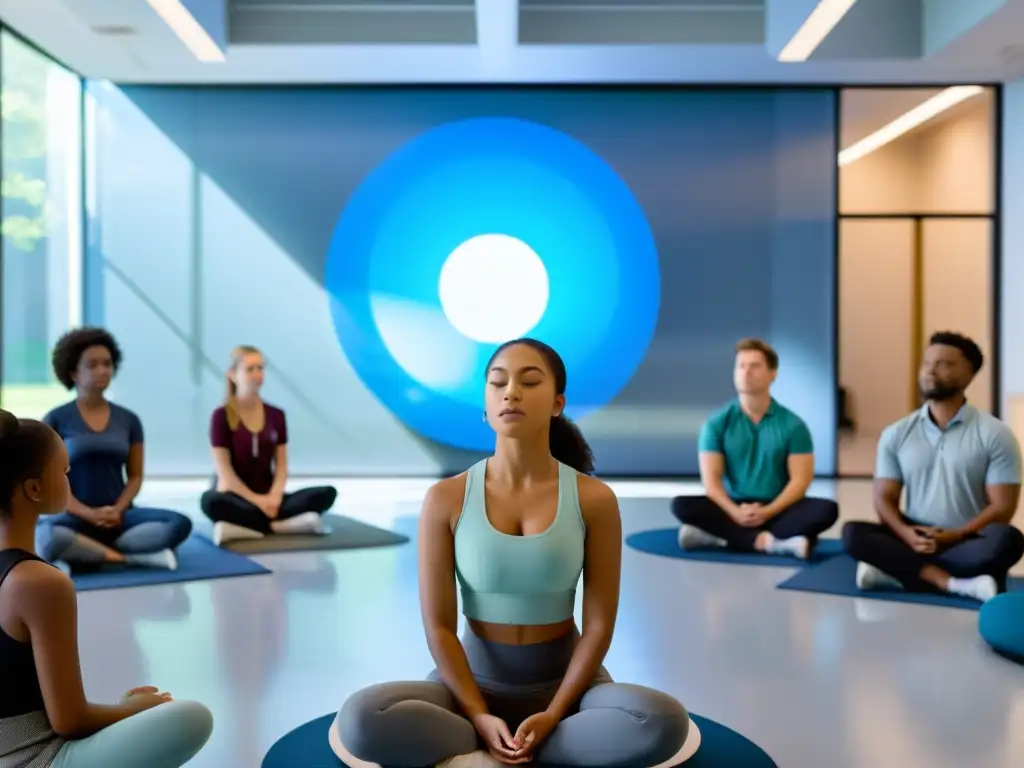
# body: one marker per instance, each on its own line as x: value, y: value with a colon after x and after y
x: 19, y: 685
x: 526, y: 580
x: 26, y: 738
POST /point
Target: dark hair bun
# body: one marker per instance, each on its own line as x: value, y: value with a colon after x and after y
x: 9, y: 424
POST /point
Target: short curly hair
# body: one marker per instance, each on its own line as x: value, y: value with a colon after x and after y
x: 68, y: 351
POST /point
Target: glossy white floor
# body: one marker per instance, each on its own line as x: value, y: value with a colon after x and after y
x: 816, y: 680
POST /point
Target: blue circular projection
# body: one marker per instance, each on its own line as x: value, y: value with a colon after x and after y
x: 478, y: 231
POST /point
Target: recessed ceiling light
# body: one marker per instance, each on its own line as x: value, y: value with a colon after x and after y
x: 919, y: 115
x: 188, y: 29
x: 816, y: 27
x: 114, y: 30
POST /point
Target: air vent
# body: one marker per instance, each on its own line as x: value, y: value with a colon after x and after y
x: 114, y: 30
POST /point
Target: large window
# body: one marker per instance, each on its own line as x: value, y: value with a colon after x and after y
x: 42, y: 221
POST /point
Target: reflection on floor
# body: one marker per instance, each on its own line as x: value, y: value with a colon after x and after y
x: 817, y: 681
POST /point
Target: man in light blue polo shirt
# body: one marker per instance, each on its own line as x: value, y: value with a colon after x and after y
x: 756, y: 463
x: 962, y: 471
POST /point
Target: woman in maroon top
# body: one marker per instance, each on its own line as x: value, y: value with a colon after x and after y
x: 250, y: 450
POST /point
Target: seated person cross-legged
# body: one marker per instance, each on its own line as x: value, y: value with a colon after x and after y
x: 250, y: 452
x: 961, y: 469
x: 46, y: 721
x: 516, y: 531
x: 105, y: 443
x: 756, y: 464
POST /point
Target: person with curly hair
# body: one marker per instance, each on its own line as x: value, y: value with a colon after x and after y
x: 105, y: 444
x: 517, y: 531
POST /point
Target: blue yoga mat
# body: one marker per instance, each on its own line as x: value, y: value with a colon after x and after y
x: 665, y: 542
x: 307, y: 747
x: 838, y: 577
x: 198, y: 559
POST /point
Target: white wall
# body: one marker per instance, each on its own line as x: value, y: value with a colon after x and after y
x: 1011, y: 322
x: 886, y: 181
x: 957, y: 173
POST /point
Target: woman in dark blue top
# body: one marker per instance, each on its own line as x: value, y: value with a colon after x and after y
x: 45, y: 719
x: 105, y: 445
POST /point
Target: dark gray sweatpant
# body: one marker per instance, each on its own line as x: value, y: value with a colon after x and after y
x: 416, y: 724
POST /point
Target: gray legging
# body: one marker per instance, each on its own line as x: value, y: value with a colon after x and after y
x: 411, y: 724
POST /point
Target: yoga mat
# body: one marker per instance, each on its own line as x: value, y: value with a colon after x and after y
x: 665, y: 543
x: 720, y: 747
x: 838, y: 577
x: 198, y: 559
x: 344, y: 533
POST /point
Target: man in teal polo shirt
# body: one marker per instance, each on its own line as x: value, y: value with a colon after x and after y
x: 961, y: 469
x: 756, y: 463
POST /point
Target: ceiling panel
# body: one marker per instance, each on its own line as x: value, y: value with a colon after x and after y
x: 383, y: 5
x: 263, y: 22
x: 641, y: 4
x: 667, y: 23
x: 382, y: 41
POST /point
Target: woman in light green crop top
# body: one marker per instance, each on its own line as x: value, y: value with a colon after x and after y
x: 517, y: 531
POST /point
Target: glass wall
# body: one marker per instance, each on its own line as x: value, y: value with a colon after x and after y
x: 42, y: 221
x: 916, y: 254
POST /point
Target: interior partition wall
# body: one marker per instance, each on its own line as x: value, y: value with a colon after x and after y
x: 166, y: 283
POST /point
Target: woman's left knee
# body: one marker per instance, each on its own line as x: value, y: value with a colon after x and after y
x: 180, y: 529
x: 662, y: 718
x: 671, y: 721
x: 192, y: 721
x: 330, y: 495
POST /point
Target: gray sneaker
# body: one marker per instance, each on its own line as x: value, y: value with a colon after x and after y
x: 694, y: 538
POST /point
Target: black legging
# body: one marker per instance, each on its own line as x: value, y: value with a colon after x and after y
x: 993, y: 551
x: 228, y: 507
x: 808, y: 517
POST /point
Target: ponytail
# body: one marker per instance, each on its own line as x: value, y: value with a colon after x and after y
x: 231, y: 403
x: 565, y: 441
x: 231, y: 389
x: 568, y: 445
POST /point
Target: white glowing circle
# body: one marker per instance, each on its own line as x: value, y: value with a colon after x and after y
x: 493, y: 288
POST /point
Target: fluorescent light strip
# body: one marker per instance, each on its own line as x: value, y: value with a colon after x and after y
x: 816, y: 27
x: 190, y: 31
x: 922, y: 113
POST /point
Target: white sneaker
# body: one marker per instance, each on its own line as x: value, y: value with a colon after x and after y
x: 980, y: 588
x: 691, y: 537
x: 164, y: 559
x: 478, y: 759
x: 307, y: 522
x: 794, y: 546
x: 224, y: 533
x: 870, y: 578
